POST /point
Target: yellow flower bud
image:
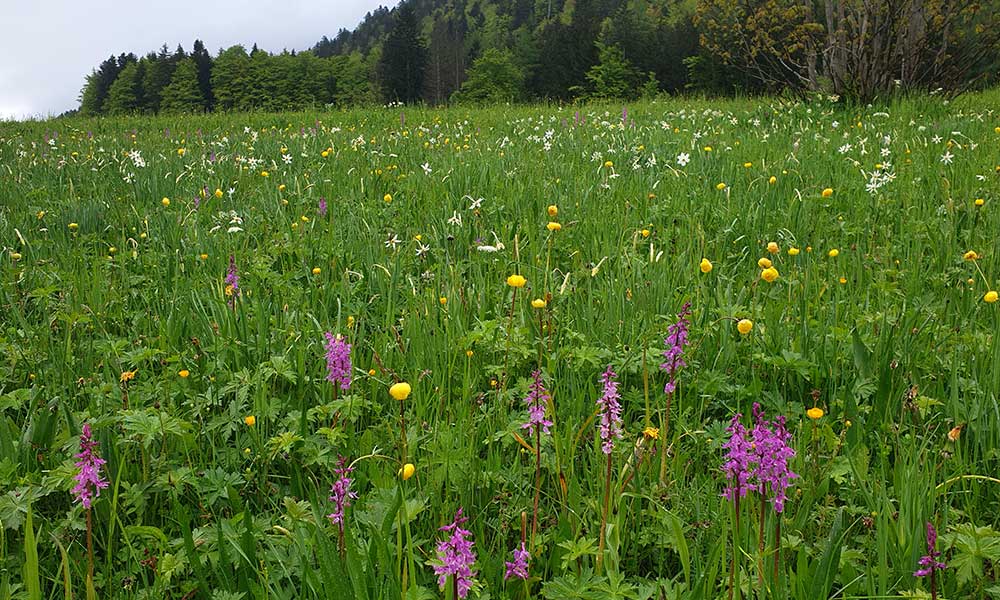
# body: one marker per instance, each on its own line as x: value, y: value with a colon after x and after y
x: 772, y: 247
x: 705, y: 265
x: 400, y: 391
x: 407, y: 471
x: 553, y: 226
x: 538, y: 303
x: 744, y: 326
x: 516, y: 281
x: 553, y: 211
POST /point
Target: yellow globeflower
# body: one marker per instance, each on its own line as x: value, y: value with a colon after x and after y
x: 990, y: 297
x: 443, y: 300
x: 980, y: 202
x: 553, y: 226
x: 73, y: 226
x: 720, y: 186
x: 772, y: 247
x: 793, y: 251
x: 281, y: 187
x: 165, y: 202
x: 769, y: 274
x: 184, y: 373
x: 772, y: 180
x: 705, y: 266
x: 815, y: 413
x: 747, y: 165
x: 644, y: 233
x: 387, y: 198
x: 539, y: 303
x: 317, y: 271
x: 250, y: 420
x: 608, y: 164
x: 400, y: 391
x: 970, y: 255
x: 407, y: 471
x: 744, y: 326
x: 553, y: 211
x: 265, y: 174
x: 764, y: 263
x: 218, y: 193
x: 15, y: 256
x: 833, y: 253
x: 827, y: 192
x: 181, y: 151
x: 516, y: 281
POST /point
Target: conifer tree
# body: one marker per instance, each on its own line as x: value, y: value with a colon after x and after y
x: 401, y: 69
x: 183, y: 94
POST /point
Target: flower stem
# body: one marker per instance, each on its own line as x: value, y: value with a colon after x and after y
x: 538, y: 484
x: 607, y: 510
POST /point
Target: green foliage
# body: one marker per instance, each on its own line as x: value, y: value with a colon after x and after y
x: 613, y: 77
x: 493, y: 78
x: 404, y: 56
x: 125, y: 96
x: 183, y: 95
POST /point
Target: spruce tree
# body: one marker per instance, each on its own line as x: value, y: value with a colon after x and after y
x: 203, y: 60
x: 183, y: 94
x: 123, y: 97
x: 401, y: 69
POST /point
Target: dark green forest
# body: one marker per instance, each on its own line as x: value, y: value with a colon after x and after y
x: 489, y: 51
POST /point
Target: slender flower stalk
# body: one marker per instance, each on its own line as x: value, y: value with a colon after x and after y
x: 610, y: 428
x: 929, y: 563
x: 537, y: 400
x: 232, y: 282
x: 341, y: 496
x: 455, y: 557
x: 673, y: 362
x: 88, y: 487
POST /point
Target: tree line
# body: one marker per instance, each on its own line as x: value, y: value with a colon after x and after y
x: 439, y: 51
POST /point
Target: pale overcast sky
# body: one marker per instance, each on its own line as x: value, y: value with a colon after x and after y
x: 47, y: 47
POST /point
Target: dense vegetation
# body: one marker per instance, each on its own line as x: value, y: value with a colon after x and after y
x: 167, y: 285
x: 439, y: 51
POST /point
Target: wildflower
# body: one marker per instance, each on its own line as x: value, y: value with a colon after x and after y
x: 651, y: 433
x: 519, y: 567
x: 705, y: 265
x: 553, y: 211
x: 738, y: 464
x: 400, y: 391
x: 15, y: 256
x: 744, y: 326
x: 387, y: 198
x: 321, y: 207
x: 88, y: 480
x: 833, y: 253
x: 720, y: 186
x: 250, y: 420
x: 553, y: 226
x: 232, y: 279
x: 990, y: 297
x: 218, y: 193
x: 764, y: 263
x: 815, y: 413
x: 683, y: 159
x: 955, y: 432
x: 827, y: 192
x: 340, y: 492
x: 537, y: 399
x: 677, y: 339
x: 772, y: 180
x: 970, y: 255
x: 73, y: 226
x: 338, y: 360
x: 608, y: 164
x: 181, y: 151
x: 316, y: 271
x: 772, y: 453
x: 747, y: 165
x: 929, y: 561
x: 443, y: 300
x: 184, y: 373
x: 538, y: 303
x: 772, y: 247
x: 128, y: 376
x: 769, y: 274
x: 644, y: 233
x: 793, y: 251
x: 407, y: 471
x: 455, y: 556
x: 165, y: 202
x: 516, y: 281
x: 980, y: 202
x: 611, y: 411
x: 265, y: 174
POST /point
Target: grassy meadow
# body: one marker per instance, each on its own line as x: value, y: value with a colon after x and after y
x: 169, y: 282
